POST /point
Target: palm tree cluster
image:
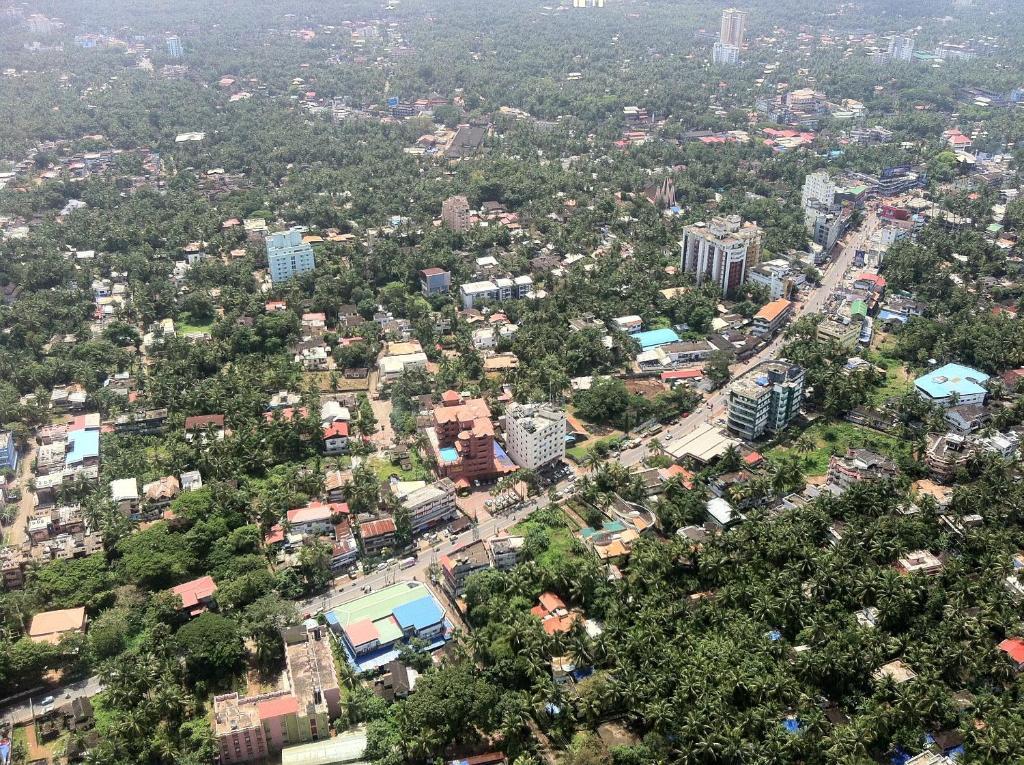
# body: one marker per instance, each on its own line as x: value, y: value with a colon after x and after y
x: 705, y: 662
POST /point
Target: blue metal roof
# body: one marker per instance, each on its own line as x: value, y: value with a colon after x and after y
x: 85, y: 444
x: 952, y: 378
x: 655, y: 337
x: 418, y: 614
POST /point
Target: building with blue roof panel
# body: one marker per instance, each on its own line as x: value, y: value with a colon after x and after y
x: 952, y: 384
x: 419, y: 616
x: 655, y: 338
x: 83, y: 447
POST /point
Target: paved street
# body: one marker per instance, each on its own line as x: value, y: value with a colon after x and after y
x: 353, y: 588
x: 22, y: 712
x: 813, y: 301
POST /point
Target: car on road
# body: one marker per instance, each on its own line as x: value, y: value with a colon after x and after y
x: 47, y: 701
x: 382, y: 566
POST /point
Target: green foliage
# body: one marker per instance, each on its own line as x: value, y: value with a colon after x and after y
x: 212, y: 648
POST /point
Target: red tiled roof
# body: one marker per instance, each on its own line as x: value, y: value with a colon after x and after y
x: 279, y: 707
x: 287, y: 414
x: 560, y: 623
x: 773, y: 310
x: 379, y: 528
x: 361, y: 632
x: 551, y: 602
x: 753, y: 458
x: 193, y: 592
x: 275, y: 535
x: 203, y: 420
x: 1014, y: 648
x: 316, y: 511
x: 876, y: 279
x: 682, y: 374
x: 336, y: 430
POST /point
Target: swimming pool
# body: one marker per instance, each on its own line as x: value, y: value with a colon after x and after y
x: 449, y: 454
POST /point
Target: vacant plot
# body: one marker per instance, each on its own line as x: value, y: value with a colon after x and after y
x: 336, y: 382
x: 561, y: 542
x: 821, y: 440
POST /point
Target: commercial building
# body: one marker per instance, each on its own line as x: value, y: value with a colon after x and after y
x: 771, y: 317
x: 430, y: 505
x: 506, y: 552
x: 376, y: 535
x: 288, y: 255
x: 371, y: 627
x: 174, y: 49
x: 462, y: 437
x: 819, y: 191
x: 455, y: 213
x: 459, y: 565
x: 844, y: 332
x: 534, y: 434
x: 952, y: 384
x: 250, y: 728
x: 716, y: 252
x: 734, y: 24
x: 779, y: 276
x: 435, y: 281
x: 765, y: 399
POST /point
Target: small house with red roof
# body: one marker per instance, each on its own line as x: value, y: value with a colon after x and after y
x: 555, y: 617
x: 335, y: 437
x: 315, y: 518
x: 197, y: 595
x: 205, y: 427
x: 1014, y: 648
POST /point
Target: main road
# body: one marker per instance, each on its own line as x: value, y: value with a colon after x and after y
x: 814, y: 300
x: 346, y: 589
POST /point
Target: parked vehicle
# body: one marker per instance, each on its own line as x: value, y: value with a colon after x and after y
x: 407, y: 563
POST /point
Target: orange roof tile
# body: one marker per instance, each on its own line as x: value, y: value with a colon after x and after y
x: 279, y: 707
x: 773, y: 310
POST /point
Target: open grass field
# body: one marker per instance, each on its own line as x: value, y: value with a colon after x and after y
x: 830, y: 438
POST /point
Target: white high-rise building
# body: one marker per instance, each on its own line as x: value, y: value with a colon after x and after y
x: 724, y: 54
x: 38, y: 24
x: 174, y: 49
x: 765, y: 399
x: 734, y: 24
x: 288, y: 255
x: 716, y: 252
x: 534, y: 434
x: 819, y: 191
x: 901, y: 48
